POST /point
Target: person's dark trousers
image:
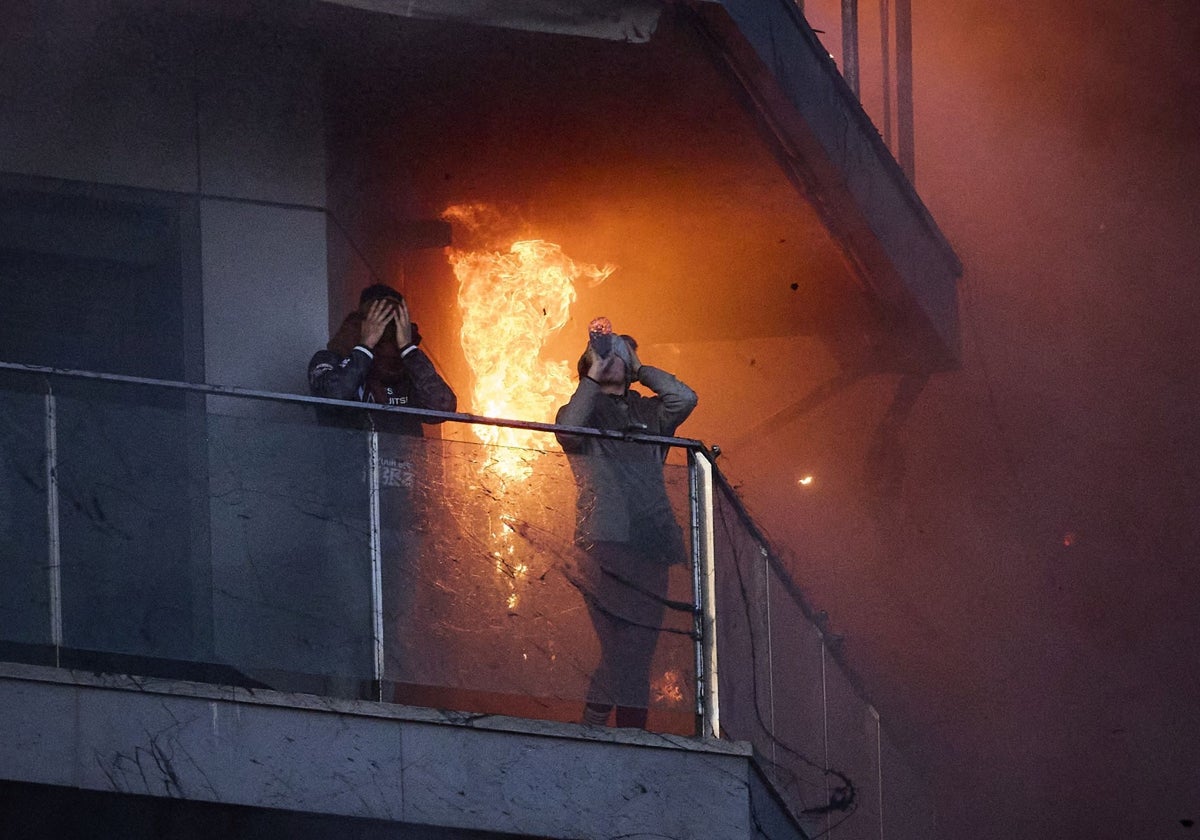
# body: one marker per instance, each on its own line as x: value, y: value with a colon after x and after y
x: 625, y: 593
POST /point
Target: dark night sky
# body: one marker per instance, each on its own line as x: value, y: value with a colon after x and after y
x: 1050, y: 679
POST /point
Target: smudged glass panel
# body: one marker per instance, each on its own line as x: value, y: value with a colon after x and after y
x: 231, y: 541
x: 24, y: 554
x: 813, y: 735
x: 493, y: 605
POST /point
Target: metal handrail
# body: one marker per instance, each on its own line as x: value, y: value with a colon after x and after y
x: 274, y: 396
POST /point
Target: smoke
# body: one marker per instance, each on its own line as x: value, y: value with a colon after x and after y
x: 1057, y: 148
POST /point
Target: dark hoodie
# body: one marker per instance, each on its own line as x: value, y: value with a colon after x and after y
x: 387, y: 375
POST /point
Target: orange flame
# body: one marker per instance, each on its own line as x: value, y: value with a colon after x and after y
x: 669, y: 688
x: 511, y: 303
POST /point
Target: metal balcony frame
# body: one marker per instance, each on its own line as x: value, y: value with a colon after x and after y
x: 700, y: 501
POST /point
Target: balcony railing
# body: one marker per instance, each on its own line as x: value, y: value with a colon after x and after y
x: 253, y: 539
x: 883, y: 81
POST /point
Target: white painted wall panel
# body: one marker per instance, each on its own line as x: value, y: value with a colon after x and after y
x: 266, y: 301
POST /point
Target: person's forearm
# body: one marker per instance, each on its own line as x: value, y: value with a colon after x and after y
x: 339, y: 379
x: 576, y: 412
x: 677, y: 398
x: 579, y: 408
x: 430, y: 389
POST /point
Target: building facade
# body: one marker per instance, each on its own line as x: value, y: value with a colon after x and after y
x: 201, y: 629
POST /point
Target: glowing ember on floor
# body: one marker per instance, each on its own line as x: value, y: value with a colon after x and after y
x: 668, y: 688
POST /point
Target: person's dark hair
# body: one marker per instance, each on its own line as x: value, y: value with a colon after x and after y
x: 378, y: 291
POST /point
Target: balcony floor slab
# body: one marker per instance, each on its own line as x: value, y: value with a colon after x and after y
x: 197, y: 742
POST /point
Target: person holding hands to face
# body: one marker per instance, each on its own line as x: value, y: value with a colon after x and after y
x: 624, y: 520
x: 375, y: 358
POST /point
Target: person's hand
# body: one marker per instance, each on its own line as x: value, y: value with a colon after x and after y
x: 375, y: 321
x: 403, y: 325
x: 604, y: 369
x: 635, y: 364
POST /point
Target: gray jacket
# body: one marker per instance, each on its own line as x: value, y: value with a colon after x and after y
x: 621, y: 493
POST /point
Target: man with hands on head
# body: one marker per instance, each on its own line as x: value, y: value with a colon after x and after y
x: 624, y: 520
x: 375, y: 358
